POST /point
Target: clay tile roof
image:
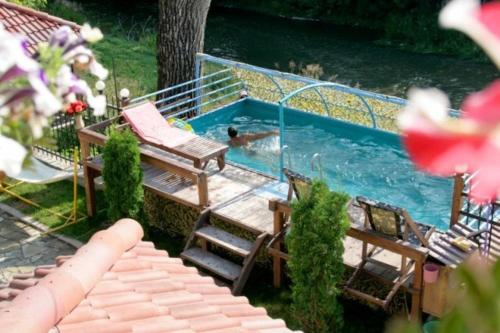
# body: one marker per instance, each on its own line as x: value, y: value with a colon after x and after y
x: 118, y: 283
x: 36, y: 26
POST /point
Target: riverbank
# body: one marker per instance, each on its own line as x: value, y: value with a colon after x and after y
x: 414, y: 30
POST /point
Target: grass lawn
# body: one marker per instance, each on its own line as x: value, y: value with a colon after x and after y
x: 57, y: 197
x: 129, y: 43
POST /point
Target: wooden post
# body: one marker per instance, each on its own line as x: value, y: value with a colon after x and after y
x: 456, y: 204
x: 203, y: 190
x: 277, y: 271
x: 416, y: 298
x: 88, y: 177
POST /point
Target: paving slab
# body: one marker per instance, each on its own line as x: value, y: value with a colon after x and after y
x: 24, y: 245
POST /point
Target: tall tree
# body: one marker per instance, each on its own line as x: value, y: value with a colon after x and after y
x: 180, y: 36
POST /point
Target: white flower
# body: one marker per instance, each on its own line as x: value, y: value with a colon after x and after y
x: 37, y: 123
x: 91, y: 35
x: 12, y: 156
x: 98, y: 70
x: 45, y: 102
x: 84, y: 56
x: 457, y: 13
x: 98, y: 104
x: 64, y: 80
x: 464, y: 16
x: 13, y: 54
x: 430, y: 105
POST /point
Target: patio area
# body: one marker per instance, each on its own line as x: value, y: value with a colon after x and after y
x: 23, y: 246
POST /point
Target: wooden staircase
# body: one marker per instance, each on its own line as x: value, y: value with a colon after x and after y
x: 204, y: 236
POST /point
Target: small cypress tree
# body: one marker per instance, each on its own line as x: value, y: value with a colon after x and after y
x: 122, y: 176
x: 315, y: 244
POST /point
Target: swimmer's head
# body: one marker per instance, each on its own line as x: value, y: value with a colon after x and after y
x: 232, y: 132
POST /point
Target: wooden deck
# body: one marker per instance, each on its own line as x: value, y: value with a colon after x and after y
x: 241, y: 197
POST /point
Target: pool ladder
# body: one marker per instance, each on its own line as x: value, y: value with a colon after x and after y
x: 286, y: 150
x: 317, y: 157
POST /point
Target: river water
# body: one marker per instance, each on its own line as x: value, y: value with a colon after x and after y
x: 347, y: 55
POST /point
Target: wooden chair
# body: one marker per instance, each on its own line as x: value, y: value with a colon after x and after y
x: 393, y: 223
x: 151, y: 128
x: 298, y: 184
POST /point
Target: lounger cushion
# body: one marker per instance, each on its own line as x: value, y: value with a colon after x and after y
x: 149, y: 125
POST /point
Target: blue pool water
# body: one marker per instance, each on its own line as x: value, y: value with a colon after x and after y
x: 355, y: 159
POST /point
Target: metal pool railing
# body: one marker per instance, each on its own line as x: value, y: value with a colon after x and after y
x: 324, y: 98
x: 311, y: 95
x: 306, y: 94
x: 193, y: 97
x: 479, y: 217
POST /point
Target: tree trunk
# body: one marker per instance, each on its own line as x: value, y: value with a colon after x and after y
x: 180, y: 36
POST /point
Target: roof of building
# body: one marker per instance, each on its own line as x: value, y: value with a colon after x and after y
x: 35, y: 25
x: 118, y: 283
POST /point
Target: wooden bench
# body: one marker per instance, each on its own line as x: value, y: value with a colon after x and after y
x: 155, y: 162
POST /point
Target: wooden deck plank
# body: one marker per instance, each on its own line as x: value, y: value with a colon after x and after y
x: 250, y: 211
x: 226, y: 240
x: 222, y: 267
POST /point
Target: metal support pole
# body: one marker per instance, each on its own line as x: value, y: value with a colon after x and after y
x: 282, y: 140
x: 370, y: 111
x: 198, y: 84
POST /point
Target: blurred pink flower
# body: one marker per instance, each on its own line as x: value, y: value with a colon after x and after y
x: 444, y: 145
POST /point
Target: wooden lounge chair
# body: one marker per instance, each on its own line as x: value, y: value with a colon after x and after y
x: 393, y: 223
x: 151, y: 128
x: 299, y: 184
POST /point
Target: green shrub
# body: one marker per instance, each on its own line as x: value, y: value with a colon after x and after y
x: 36, y: 4
x: 122, y: 176
x: 315, y: 244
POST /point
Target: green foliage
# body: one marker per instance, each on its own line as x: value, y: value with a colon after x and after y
x: 122, y: 176
x: 70, y: 11
x: 315, y: 245
x: 36, y: 4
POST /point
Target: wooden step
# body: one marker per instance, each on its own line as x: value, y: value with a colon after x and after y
x: 235, y: 244
x: 209, y: 261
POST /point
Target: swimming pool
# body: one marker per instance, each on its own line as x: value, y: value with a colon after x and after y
x: 354, y: 159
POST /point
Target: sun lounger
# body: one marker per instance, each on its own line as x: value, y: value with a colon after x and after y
x: 392, y: 223
x: 151, y: 128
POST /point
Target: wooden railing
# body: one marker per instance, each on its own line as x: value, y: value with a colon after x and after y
x: 91, y: 136
x: 418, y: 254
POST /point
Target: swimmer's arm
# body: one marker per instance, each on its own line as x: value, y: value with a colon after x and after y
x: 258, y: 136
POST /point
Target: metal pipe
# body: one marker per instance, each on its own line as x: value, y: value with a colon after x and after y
x: 286, y: 150
x: 282, y: 139
x: 176, y: 114
x: 315, y: 157
x: 197, y: 75
x: 178, y: 86
x: 193, y: 89
x: 187, y: 101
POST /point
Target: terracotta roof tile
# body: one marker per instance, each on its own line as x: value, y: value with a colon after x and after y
x: 36, y: 26
x: 116, y: 284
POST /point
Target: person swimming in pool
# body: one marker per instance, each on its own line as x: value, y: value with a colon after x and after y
x: 244, y: 139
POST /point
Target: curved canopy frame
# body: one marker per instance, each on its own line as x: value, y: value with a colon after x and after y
x: 284, y: 101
